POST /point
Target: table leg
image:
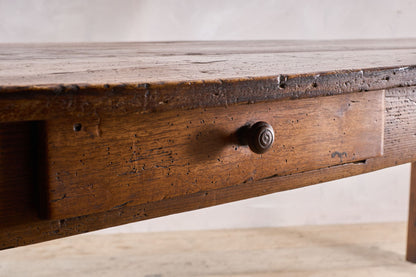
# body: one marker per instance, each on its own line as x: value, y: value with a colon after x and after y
x: 411, y: 228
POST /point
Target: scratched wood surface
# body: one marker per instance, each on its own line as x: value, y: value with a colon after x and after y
x: 400, y: 113
x: 49, y: 80
x: 60, y: 85
x: 44, y: 64
x: 114, y: 161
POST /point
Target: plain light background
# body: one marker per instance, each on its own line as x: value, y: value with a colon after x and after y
x: 374, y: 197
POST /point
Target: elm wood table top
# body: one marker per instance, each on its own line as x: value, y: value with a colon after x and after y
x: 104, y: 134
x: 136, y: 63
x: 188, y: 75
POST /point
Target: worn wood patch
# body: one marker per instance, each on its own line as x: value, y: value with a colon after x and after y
x: 46, y: 81
x: 399, y: 143
x: 133, y: 63
x: 131, y: 158
x: 108, y: 161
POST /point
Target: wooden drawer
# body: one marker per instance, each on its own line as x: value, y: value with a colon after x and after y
x: 112, y: 160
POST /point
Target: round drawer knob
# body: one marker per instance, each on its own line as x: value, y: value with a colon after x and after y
x: 259, y: 137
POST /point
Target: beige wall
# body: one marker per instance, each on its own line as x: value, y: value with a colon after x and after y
x: 379, y: 196
x: 109, y: 20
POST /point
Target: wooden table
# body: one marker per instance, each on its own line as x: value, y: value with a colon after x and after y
x: 101, y: 134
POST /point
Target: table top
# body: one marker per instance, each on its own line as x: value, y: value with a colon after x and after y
x: 163, y: 76
x: 155, y: 62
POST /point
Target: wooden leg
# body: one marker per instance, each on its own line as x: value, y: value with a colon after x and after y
x: 411, y: 228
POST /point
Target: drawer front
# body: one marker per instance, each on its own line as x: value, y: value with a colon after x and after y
x: 102, y: 162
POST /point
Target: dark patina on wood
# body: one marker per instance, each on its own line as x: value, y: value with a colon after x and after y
x: 114, y: 161
x: 77, y: 113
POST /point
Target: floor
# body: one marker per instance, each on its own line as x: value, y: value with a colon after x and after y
x: 336, y: 250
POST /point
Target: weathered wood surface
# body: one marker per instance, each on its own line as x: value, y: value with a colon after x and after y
x: 95, y: 63
x: 110, y: 87
x: 44, y: 81
x: 116, y: 160
x: 399, y: 144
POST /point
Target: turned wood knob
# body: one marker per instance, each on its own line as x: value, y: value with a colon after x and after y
x: 259, y: 136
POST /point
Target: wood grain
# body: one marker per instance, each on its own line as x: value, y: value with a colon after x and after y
x: 114, y: 91
x: 46, y: 81
x: 117, y: 63
x: 115, y: 161
x: 400, y: 113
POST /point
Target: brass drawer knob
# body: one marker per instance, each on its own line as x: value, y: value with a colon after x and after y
x: 259, y: 136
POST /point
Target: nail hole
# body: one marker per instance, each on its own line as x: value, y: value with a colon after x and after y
x: 77, y: 127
